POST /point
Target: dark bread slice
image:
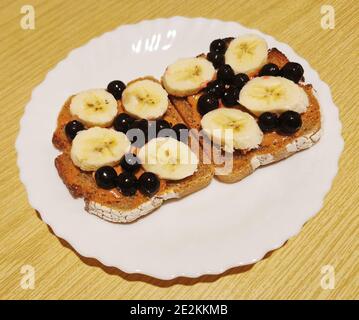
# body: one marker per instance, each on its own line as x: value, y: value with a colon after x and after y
x: 274, y: 146
x: 112, y: 205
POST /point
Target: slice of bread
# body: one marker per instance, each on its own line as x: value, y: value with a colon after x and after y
x: 274, y: 146
x: 112, y: 205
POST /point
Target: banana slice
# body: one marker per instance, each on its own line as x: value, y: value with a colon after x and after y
x: 94, y: 107
x: 188, y: 76
x: 246, y: 53
x: 273, y: 94
x: 168, y: 158
x: 97, y: 147
x: 232, y: 129
x: 145, y: 99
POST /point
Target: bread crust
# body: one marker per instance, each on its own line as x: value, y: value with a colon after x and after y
x: 111, y: 205
x: 274, y: 146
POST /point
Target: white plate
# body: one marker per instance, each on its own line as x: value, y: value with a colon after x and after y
x: 220, y: 227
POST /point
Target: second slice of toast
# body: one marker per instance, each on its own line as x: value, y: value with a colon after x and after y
x: 274, y: 146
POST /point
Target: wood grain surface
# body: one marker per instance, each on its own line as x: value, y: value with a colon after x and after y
x: 294, y: 271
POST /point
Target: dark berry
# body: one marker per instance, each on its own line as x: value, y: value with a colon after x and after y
x: 290, y: 122
x: 268, y: 121
x: 217, y: 46
x: 206, y: 103
x: 240, y: 80
x: 225, y: 73
x: 292, y: 71
x: 181, y: 131
x: 137, y: 133
x: 228, y: 40
x: 216, y: 58
x: 269, y: 69
x: 116, y: 88
x: 215, y: 88
x: 230, y: 96
x: 140, y: 124
x: 123, y: 122
x: 106, y: 177
x: 162, y: 124
x: 148, y: 183
x: 72, y: 128
x: 127, y: 183
x: 164, y: 129
x: 130, y: 162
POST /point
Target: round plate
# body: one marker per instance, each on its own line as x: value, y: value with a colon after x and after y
x: 223, y: 225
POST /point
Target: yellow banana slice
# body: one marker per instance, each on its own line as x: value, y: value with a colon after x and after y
x: 145, y: 99
x: 232, y: 129
x: 246, y: 53
x: 168, y: 158
x: 97, y: 147
x: 188, y: 76
x: 273, y: 94
x: 95, y: 107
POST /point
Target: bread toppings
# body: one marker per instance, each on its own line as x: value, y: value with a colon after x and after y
x: 232, y: 129
x: 106, y: 151
x: 206, y: 103
x: 95, y: 107
x: 292, y: 71
x: 168, y: 158
x: 97, y: 147
x: 116, y: 88
x: 188, y: 76
x: 246, y: 53
x: 148, y: 184
x: 145, y: 99
x: 105, y: 177
x: 248, y: 80
x: 273, y: 94
x: 72, y: 128
x: 269, y: 69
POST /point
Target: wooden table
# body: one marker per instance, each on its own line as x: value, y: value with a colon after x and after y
x: 294, y: 271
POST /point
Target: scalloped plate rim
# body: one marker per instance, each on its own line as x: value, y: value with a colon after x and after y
x: 60, y: 233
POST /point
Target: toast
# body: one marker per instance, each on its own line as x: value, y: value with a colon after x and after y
x: 274, y: 146
x: 112, y: 205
